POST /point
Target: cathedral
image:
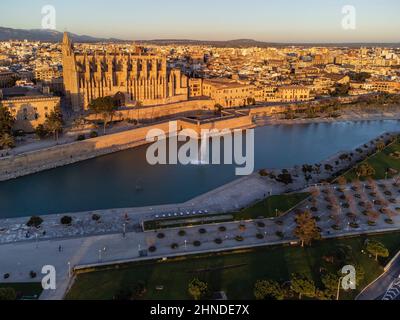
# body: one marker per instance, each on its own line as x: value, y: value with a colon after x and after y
x: 131, y: 79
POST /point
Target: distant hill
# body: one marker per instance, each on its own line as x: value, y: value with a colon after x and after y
x: 246, y: 43
x: 56, y: 36
x: 45, y: 36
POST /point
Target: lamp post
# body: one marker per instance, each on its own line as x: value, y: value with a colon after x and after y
x: 69, y: 269
x: 124, y: 230
x: 338, y: 288
x: 99, y: 255
x: 185, y: 244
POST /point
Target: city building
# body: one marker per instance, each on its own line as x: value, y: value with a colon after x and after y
x: 30, y: 107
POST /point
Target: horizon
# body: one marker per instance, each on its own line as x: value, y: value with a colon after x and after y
x: 289, y: 22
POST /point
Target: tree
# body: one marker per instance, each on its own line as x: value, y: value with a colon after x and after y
x: 105, y: 107
x: 197, y: 289
x: 342, y: 181
x: 268, y: 290
x: 303, y: 286
x: 365, y: 170
x: 41, y: 131
x: 330, y: 282
x: 6, y: 141
x: 34, y: 221
x: 377, y: 249
x: 7, y: 294
x: 380, y: 145
x: 54, y: 122
x: 307, y: 229
x: 218, y: 108
x: 66, y: 220
x: 6, y: 120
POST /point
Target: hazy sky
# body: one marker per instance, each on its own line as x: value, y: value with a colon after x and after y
x: 266, y: 20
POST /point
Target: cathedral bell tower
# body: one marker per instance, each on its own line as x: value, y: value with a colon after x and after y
x: 70, y: 74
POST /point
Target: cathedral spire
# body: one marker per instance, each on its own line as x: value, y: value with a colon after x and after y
x: 66, y: 39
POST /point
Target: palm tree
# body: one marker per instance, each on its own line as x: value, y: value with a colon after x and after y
x: 54, y: 123
x: 7, y: 141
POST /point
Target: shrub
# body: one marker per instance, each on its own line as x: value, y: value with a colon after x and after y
x: 32, y: 274
x: 182, y: 233
x: 6, y: 276
x: 354, y: 225
x: 242, y: 227
x: 161, y: 235
x: 66, y: 220
x: 222, y: 229
x: 34, y: 221
x: 336, y: 227
x: 7, y: 294
x: 152, y: 249
x: 202, y: 231
x: 174, y: 246
x: 389, y: 221
x: 280, y: 234
x: 81, y: 137
x: 371, y: 223
x: 239, y: 238
x: 261, y: 224
x: 317, y: 218
x: 197, y: 243
x: 260, y: 236
x: 93, y: 134
x: 96, y: 217
x: 218, y: 241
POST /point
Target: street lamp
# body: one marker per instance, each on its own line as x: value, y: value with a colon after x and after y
x: 69, y: 269
x: 338, y: 288
x: 99, y: 255
x: 185, y: 244
x: 124, y: 230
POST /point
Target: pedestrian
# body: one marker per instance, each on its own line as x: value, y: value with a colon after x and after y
x: 59, y: 248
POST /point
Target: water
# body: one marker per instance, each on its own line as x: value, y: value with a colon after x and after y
x: 125, y: 179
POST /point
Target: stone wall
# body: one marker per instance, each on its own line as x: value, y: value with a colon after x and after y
x: 161, y: 111
x: 39, y: 160
x: 44, y: 159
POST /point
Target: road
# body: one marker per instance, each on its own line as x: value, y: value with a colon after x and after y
x: 377, y: 289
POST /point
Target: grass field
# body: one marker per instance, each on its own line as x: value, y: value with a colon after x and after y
x: 380, y: 162
x: 25, y: 290
x: 234, y: 273
x: 268, y: 208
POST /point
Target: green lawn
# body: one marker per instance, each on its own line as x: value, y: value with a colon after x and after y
x: 25, y: 290
x: 380, y: 162
x: 235, y: 273
x: 267, y: 208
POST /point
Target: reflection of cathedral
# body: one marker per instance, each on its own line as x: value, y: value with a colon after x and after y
x: 130, y: 78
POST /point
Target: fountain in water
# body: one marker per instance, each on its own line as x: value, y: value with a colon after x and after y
x: 203, y: 155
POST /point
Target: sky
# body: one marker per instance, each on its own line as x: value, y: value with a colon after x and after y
x: 264, y: 20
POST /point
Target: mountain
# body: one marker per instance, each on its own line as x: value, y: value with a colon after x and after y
x: 56, y: 36
x: 45, y: 36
